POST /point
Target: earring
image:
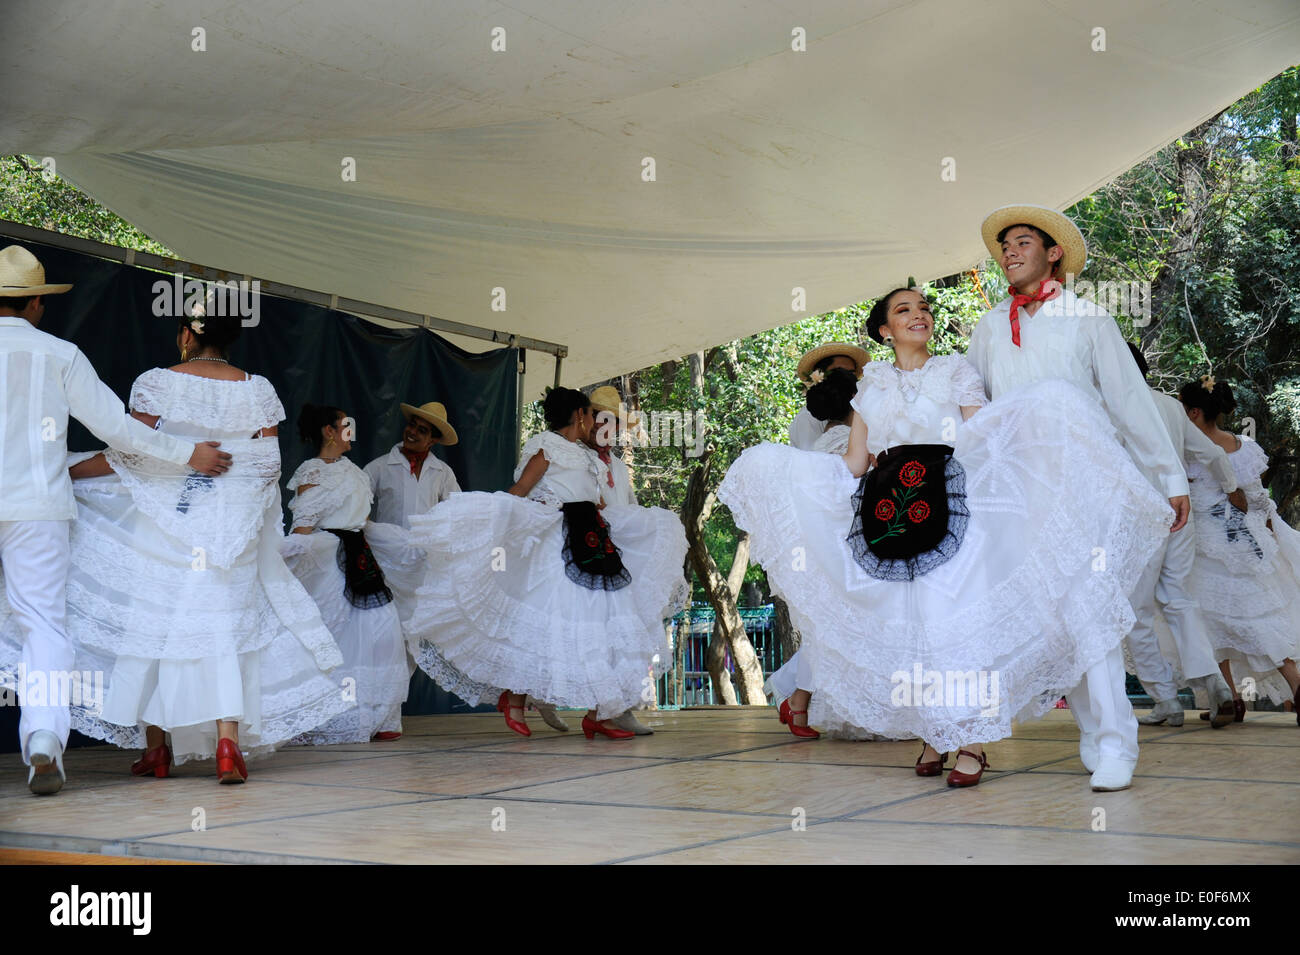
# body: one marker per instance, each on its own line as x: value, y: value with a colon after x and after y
x: 184, y: 353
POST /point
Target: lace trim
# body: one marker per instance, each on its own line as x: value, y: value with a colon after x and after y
x: 835, y: 440
x: 218, y: 515
x: 910, y: 568
x: 208, y: 402
x: 560, y: 452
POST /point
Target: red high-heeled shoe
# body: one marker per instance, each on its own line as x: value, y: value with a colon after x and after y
x: 787, y: 717
x: 230, y: 762
x: 933, y: 768
x: 957, y: 778
x: 591, y: 727
x: 503, y: 705
x: 157, y: 761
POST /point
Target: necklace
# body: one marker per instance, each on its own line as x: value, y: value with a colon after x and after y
x: 907, y: 385
x: 197, y: 358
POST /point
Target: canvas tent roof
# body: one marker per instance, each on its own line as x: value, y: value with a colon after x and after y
x: 522, y: 169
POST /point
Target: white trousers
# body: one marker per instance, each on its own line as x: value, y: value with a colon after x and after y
x: 35, y: 556
x: 1101, y: 708
x: 793, y: 675
x: 1165, y: 583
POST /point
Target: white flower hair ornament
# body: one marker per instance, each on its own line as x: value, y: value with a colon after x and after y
x: 817, y: 376
x: 1208, y: 383
x: 196, y: 326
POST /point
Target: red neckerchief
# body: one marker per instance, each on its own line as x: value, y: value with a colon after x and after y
x: 416, y: 458
x: 1017, y: 300
x: 603, y: 454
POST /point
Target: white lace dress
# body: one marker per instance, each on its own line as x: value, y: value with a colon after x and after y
x: 177, y: 592
x: 500, y: 612
x: 375, y: 667
x: 1246, y: 577
x: 1061, y: 523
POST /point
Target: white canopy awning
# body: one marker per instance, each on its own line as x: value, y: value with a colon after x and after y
x: 523, y: 169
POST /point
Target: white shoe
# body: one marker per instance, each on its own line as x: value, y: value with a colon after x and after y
x: 44, y: 748
x: 1221, y: 709
x: 628, y: 721
x: 1170, y: 710
x: 1113, y: 774
x: 1088, y: 752
x: 547, y: 712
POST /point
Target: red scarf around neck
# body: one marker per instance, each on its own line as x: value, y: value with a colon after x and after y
x: 603, y: 454
x: 416, y: 459
x: 1017, y: 300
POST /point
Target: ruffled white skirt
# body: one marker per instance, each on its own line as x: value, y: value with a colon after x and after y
x: 1061, y: 525
x: 180, y: 643
x: 376, y: 671
x: 499, y: 613
x: 1248, y: 588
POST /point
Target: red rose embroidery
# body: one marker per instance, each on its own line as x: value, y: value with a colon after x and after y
x: 918, y: 512
x: 592, y: 540
x: 609, y: 547
x: 911, y: 473
x: 362, y: 563
x: 884, y: 510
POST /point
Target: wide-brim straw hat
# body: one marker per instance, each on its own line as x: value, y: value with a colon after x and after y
x: 1056, y: 224
x: 22, y: 275
x: 607, y: 398
x: 434, y: 413
x: 810, y: 359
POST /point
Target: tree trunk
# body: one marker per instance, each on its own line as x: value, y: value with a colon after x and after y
x: 728, y: 627
x: 786, y: 634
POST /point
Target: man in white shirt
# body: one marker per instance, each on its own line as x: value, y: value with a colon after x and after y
x: 409, y: 479
x: 804, y: 428
x: 611, y: 422
x: 1043, y: 331
x: 1165, y: 583
x: 46, y: 380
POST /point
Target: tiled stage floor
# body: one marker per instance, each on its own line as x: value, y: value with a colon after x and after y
x: 714, y: 786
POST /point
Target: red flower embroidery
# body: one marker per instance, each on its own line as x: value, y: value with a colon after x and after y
x: 884, y: 510
x: 592, y: 540
x: 911, y: 473
x: 362, y: 563
x: 918, y: 512
x: 609, y: 547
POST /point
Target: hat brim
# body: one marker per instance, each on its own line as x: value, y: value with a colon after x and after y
x: 1056, y: 224
x: 810, y: 359
x: 11, y: 291
x: 449, y: 436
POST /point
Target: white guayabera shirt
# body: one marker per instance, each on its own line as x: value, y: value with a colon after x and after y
x: 399, y: 494
x: 45, y: 380
x: 1191, y: 443
x: 805, y: 430
x: 1074, y: 340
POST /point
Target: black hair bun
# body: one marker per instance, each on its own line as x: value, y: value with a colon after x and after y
x: 830, y: 399
x: 559, y: 405
x: 1212, y: 398
x: 312, y: 419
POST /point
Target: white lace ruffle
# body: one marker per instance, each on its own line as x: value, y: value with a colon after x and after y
x: 236, y: 406
x: 1061, y: 524
x: 499, y: 611
x: 214, y: 516
x: 834, y: 440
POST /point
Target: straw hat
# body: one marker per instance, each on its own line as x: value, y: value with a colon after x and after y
x: 1055, y: 224
x: 607, y: 398
x: 810, y: 359
x: 434, y: 413
x: 21, y: 275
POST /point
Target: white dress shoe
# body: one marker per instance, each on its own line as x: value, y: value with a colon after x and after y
x: 628, y: 721
x: 547, y: 712
x: 1221, y: 709
x: 44, y: 748
x: 1112, y: 774
x: 1088, y: 753
x: 1170, y: 710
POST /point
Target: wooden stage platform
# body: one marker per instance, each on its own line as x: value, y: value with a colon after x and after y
x: 719, y: 785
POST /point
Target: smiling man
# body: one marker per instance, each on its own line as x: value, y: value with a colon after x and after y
x: 1044, y: 331
x: 409, y: 479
